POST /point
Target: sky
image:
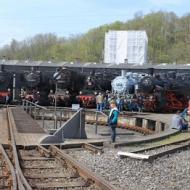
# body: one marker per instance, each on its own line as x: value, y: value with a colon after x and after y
x: 21, y: 19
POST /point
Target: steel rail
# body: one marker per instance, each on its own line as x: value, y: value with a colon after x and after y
x: 83, y: 171
x: 169, y: 151
x: 11, y: 168
x: 160, y: 146
x: 21, y: 180
x: 170, y: 148
x: 92, y: 148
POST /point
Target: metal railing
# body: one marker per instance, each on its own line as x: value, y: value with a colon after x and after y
x: 32, y: 108
x: 63, y: 112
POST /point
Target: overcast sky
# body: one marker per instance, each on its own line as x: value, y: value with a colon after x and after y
x: 20, y: 19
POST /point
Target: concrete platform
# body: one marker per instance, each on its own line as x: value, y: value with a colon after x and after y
x: 124, y: 136
x: 165, y: 118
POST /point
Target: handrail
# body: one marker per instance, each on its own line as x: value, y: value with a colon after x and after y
x: 35, y: 105
x: 103, y: 113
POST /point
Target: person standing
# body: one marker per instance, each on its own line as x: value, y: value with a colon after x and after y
x: 113, y: 119
x: 8, y: 96
x: 99, y: 102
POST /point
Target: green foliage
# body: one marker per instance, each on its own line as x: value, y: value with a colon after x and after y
x: 169, y: 41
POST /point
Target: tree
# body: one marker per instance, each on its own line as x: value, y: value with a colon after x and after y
x: 168, y: 36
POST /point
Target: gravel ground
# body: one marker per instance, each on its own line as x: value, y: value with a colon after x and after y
x: 167, y: 173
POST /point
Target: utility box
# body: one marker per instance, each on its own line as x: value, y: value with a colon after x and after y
x: 126, y: 47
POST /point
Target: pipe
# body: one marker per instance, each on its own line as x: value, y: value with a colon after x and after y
x: 14, y: 86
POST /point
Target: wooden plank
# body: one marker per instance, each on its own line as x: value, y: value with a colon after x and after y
x: 37, y: 159
x: 93, y: 148
x: 59, y: 185
x: 133, y: 155
x: 4, y: 187
x: 47, y: 166
x: 49, y: 175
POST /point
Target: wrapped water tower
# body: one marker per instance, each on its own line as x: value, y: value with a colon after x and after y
x: 126, y: 47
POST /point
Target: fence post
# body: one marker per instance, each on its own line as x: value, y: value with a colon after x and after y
x: 35, y: 112
x: 30, y: 110
x: 55, y: 121
x: 96, y: 126
x: 23, y: 104
x: 61, y: 115
x: 27, y: 107
x: 43, y: 119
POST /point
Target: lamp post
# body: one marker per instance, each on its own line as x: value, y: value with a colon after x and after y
x: 55, y: 108
x: 14, y: 86
x: 56, y: 77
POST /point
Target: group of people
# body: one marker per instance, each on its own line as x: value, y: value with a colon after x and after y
x: 30, y: 95
x: 103, y: 100
x: 132, y: 103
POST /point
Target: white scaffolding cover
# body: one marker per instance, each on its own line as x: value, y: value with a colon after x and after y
x: 126, y: 47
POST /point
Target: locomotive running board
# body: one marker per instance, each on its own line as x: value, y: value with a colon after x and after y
x: 74, y: 128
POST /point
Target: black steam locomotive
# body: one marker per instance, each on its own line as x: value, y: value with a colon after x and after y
x: 94, y: 83
x: 169, y: 92
x: 5, y: 86
x: 64, y: 86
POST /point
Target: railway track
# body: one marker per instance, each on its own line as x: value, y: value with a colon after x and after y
x: 49, y: 168
x: 53, y: 169
x: 157, y: 151
x: 7, y: 172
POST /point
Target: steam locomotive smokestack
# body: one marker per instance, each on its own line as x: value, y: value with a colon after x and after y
x: 123, y: 73
x: 151, y: 71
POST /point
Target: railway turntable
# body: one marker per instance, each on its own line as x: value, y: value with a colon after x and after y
x: 26, y: 130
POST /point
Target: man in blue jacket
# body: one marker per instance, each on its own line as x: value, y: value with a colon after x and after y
x: 112, y: 119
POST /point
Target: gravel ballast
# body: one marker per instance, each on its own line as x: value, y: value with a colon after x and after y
x: 167, y: 173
